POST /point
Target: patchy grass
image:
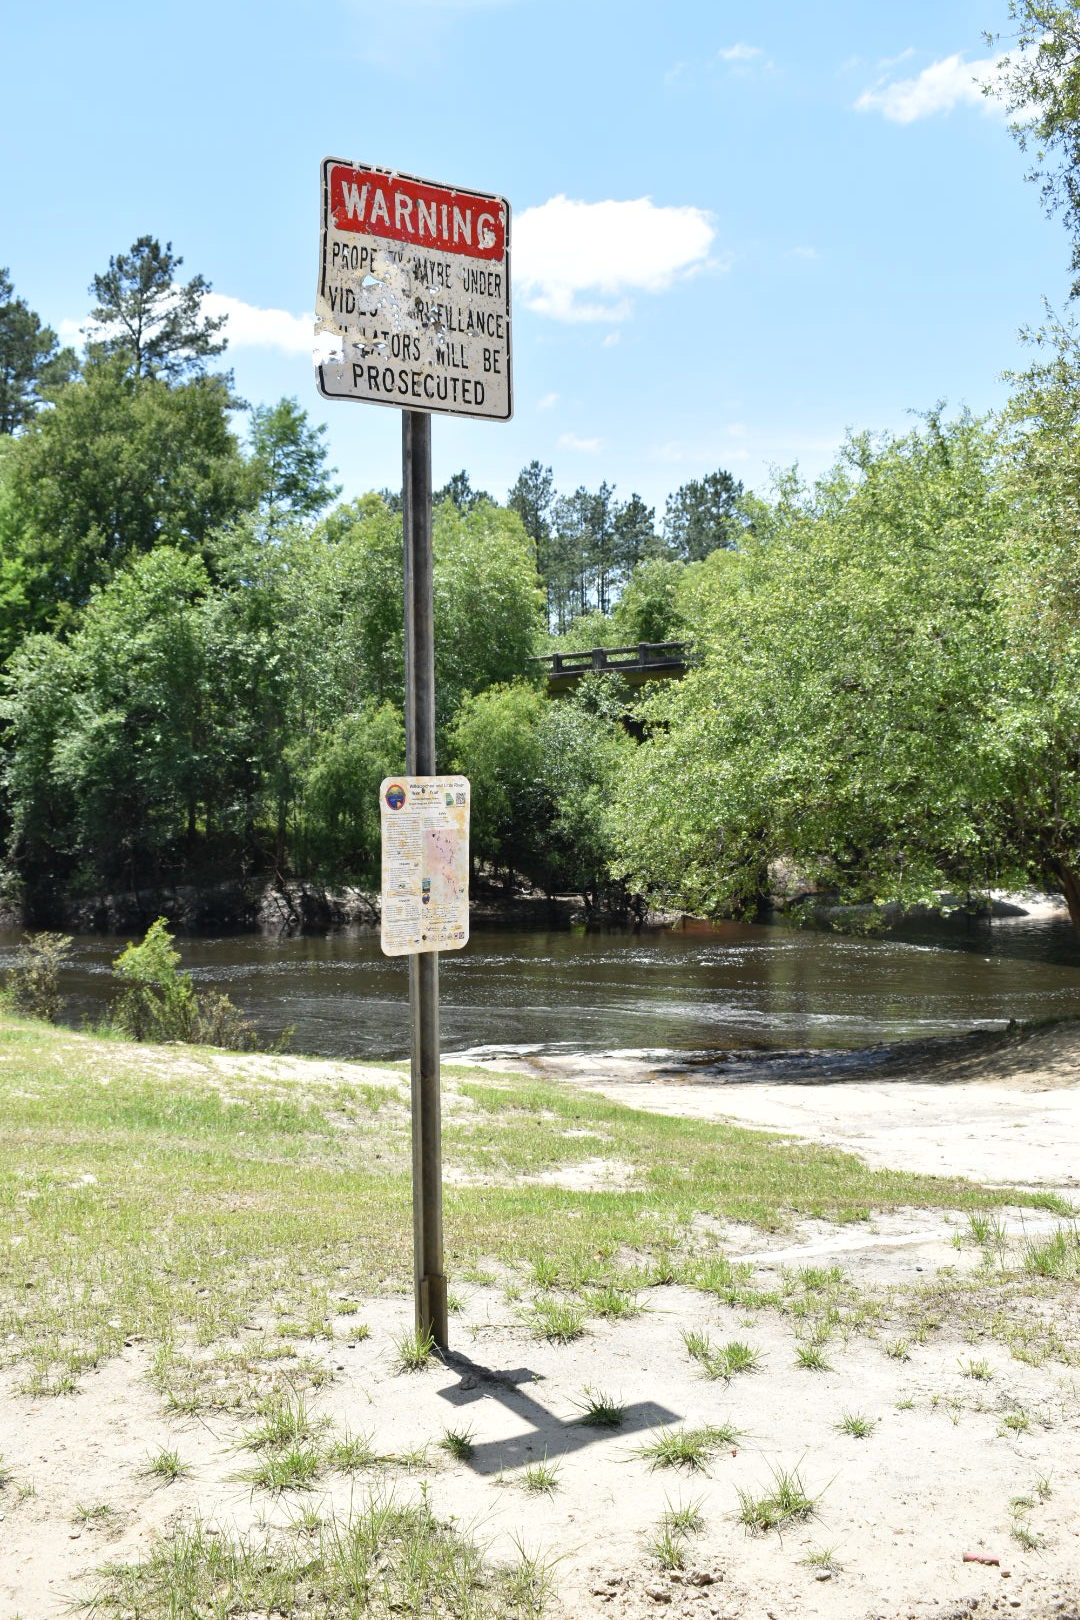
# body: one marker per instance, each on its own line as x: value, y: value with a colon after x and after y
x: 386, y: 1559
x: 721, y: 1360
x: 199, y: 1203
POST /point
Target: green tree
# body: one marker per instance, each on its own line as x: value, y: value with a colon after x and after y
x: 532, y: 498
x: 544, y: 776
x: 496, y: 742
x: 338, y: 773
x: 288, y: 462
x: 635, y: 537
x: 842, y: 715
x: 459, y: 491
x: 119, y: 465
x: 703, y: 516
x: 1040, y: 80
x: 137, y: 747
x: 145, y: 316
x: 31, y: 360
x: 650, y: 608
x: 488, y: 605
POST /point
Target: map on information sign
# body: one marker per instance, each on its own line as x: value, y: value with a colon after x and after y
x: 413, y: 303
x: 425, y: 863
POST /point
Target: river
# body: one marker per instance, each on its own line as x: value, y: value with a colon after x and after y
x: 734, y: 987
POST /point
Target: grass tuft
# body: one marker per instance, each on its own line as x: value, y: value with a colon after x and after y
x: 541, y: 1477
x: 459, y: 1444
x: 668, y: 1547
x: 295, y: 1468
x: 857, y: 1426
x: 684, y: 1517
x: 413, y: 1350
x: 721, y: 1360
x: 786, y: 1501
x: 599, y: 1411
x: 166, y: 1465
x: 812, y: 1358
x: 686, y: 1448
x: 557, y: 1321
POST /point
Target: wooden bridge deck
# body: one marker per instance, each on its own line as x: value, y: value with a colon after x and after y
x: 644, y: 661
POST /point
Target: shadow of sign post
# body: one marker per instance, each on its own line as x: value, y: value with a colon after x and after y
x: 547, y: 1434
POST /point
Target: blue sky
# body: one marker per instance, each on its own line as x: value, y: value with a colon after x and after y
x: 788, y: 220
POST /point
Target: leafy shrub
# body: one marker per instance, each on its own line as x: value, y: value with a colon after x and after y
x: 159, y: 1003
x: 33, y: 984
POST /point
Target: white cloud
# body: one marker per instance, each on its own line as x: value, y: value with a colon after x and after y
x: 248, y: 326
x: 740, y: 53
x: 803, y: 253
x: 610, y: 340
x: 547, y: 402
x: 570, y: 441
x: 579, y: 261
x: 943, y: 85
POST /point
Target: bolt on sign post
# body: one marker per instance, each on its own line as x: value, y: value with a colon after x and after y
x: 413, y: 311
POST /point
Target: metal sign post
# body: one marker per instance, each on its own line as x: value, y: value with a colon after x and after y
x: 413, y: 311
x: 430, y: 1280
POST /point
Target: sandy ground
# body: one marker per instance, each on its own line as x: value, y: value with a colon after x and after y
x: 999, y: 1108
x: 942, y: 1474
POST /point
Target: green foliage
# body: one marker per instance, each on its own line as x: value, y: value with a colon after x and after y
x: 649, y: 608
x: 543, y: 776
x: 119, y: 465
x: 1040, y: 81
x: 843, y: 714
x: 288, y: 463
x: 159, y: 1003
x: 337, y: 821
x: 31, y: 360
x: 135, y: 744
x: 704, y: 515
x: 496, y: 741
x: 33, y: 983
x: 147, y: 319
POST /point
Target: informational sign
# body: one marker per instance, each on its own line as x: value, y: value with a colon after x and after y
x: 425, y: 864
x: 413, y: 304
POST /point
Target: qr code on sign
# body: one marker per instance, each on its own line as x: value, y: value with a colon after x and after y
x: 461, y: 798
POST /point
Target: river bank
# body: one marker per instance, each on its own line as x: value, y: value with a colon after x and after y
x: 897, y: 1435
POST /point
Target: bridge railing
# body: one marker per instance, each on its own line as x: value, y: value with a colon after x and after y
x: 640, y: 655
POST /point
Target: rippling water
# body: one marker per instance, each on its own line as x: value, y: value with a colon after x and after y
x: 736, y: 986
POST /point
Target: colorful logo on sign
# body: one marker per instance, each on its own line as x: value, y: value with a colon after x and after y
x: 395, y: 795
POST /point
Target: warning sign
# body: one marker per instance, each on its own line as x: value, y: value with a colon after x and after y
x: 413, y: 304
x: 425, y: 864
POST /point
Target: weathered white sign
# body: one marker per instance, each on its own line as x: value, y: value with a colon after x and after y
x: 425, y: 863
x: 413, y: 304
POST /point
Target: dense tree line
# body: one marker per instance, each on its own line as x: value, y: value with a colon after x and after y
x: 203, y: 660
x: 202, y: 652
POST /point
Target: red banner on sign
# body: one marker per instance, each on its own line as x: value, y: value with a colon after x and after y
x: 402, y: 210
